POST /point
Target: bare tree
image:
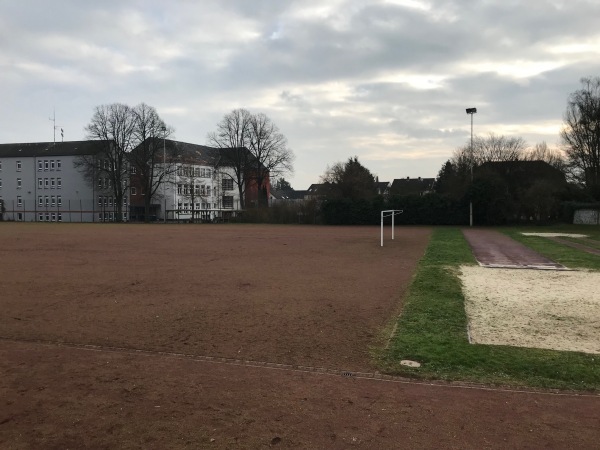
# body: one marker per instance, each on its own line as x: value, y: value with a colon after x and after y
x: 233, y: 134
x: 257, y: 150
x: 492, y: 148
x: 541, y: 152
x: 114, y: 125
x: 152, y: 170
x: 581, y: 134
x: 270, y: 154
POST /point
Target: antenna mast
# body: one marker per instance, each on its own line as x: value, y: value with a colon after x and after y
x: 62, y: 132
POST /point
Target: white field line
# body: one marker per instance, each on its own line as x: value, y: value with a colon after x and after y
x: 376, y: 376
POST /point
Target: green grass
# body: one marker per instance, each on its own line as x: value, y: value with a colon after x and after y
x: 567, y: 256
x: 433, y: 331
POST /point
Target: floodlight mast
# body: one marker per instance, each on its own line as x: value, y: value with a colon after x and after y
x: 471, y: 111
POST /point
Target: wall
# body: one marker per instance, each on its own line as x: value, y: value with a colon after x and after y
x: 587, y: 217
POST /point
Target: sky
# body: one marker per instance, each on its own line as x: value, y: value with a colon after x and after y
x: 387, y: 81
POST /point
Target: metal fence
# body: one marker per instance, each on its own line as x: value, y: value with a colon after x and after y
x: 57, y: 209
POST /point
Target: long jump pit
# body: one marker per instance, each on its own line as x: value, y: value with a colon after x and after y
x: 555, y: 308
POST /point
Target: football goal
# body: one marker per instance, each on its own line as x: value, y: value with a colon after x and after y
x: 389, y: 213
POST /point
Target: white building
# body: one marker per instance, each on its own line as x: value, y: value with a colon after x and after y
x: 200, y: 185
x: 39, y: 182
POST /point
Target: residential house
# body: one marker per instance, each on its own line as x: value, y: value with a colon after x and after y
x: 412, y: 186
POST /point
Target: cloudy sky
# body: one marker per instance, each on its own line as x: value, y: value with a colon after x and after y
x: 387, y: 81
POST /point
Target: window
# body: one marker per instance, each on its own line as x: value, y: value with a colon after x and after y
x: 203, y: 189
x: 47, y: 217
x: 40, y: 200
x: 124, y: 201
x: 40, y: 183
x: 186, y: 189
x: 99, y: 200
x: 58, y: 166
x: 208, y: 173
x: 59, y: 217
x: 227, y: 184
x: 40, y: 217
x: 106, y: 163
x: 59, y: 200
x: 53, y: 217
x: 133, y: 170
x: 19, y: 217
x: 59, y: 183
x: 52, y: 183
x: 228, y: 201
x: 110, y: 201
x: 133, y: 192
x: 19, y: 183
x: 0, y: 183
x: 52, y: 166
x: 46, y: 183
x: 179, y: 189
x: 40, y: 165
x: 47, y: 200
x: 46, y: 164
x: 100, y: 216
x: 19, y: 166
x: 53, y: 200
x: 19, y: 200
x: 100, y: 183
x: 208, y: 191
x: 105, y: 201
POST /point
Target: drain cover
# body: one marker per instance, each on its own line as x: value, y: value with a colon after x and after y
x: 409, y: 363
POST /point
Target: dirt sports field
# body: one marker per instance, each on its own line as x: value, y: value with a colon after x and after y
x: 229, y: 336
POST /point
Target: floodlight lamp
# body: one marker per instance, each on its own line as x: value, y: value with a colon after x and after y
x: 471, y: 110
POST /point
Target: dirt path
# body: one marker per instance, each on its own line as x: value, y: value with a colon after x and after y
x: 109, y: 400
x: 494, y: 249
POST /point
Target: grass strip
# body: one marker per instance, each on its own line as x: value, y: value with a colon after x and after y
x: 570, y: 257
x: 432, y: 330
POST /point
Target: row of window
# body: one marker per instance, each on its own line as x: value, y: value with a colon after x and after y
x: 201, y: 205
x: 47, y: 217
x: 110, y: 216
x: 47, y: 200
x: 43, y: 165
x: 46, y: 164
x: 104, y: 200
x: 57, y: 217
x: 184, y: 189
x: 47, y: 183
x: 198, y: 172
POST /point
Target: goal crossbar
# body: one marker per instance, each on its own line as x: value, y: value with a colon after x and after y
x: 389, y: 213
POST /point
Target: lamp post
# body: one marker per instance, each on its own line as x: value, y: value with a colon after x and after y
x: 471, y: 111
x: 164, y: 182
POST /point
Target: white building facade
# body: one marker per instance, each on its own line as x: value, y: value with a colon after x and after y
x: 39, y: 182
x: 199, y: 186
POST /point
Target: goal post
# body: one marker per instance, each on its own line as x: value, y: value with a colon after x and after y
x: 389, y: 213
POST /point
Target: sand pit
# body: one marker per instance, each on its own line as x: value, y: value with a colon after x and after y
x: 557, y: 310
